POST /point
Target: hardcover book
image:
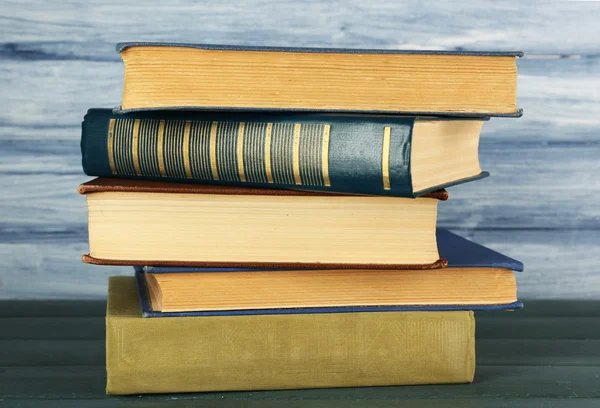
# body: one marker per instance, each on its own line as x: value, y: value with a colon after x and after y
x: 196, y: 76
x: 223, y: 353
x: 137, y: 222
x: 477, y: 278
x: 357, y: 154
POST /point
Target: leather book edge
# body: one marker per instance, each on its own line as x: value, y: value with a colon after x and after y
x: 439, y: 264
x: 104, y: 184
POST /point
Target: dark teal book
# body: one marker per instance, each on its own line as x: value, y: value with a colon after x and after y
x: 353, y: 154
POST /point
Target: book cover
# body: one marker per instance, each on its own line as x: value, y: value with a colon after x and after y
x: 356, y: 154
x: 223, y: 353
x: 203, y: 76
x: 385, y: 233
x: 459, y: 252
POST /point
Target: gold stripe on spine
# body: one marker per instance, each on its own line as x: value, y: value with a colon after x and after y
x: 121, y: 139
x: 289, y: 151
x: 296, y: 156
x: 268, y: 152
x: 314, y: 145
x: 240, y: 151
x: 117, y: 146
x: 385, y: 159
x: 147, y: 145
x: 159, y: 149
x: 325, y: 155
x: 255, y: 152
x: 134, y: 147
x: 275, y: 150
x: 213, y: 150
x: 278, y: 133
x: 283, y: 140
x: 305, y: 154
x: 111, y: 152
x: 186, y: 149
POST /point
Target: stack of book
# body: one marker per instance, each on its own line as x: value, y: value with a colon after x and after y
x: 279, y: 207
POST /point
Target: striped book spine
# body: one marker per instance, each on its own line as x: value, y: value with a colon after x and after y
x: 281, y: 153
x: 355, y: 154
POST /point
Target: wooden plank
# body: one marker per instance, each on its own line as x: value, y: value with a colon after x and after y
x: 73, y: 383
x: 306, y: 401
x: 51, y: 352
x: 52, y: 309
x: 530, y: 323
x: 54, y: 328
x: 84, y: 328
x: 558, y: 104
x: 517, y: 327
x: 102, y: 402
x: 533, y: 352
x: 558, y: 263
x: 516, y: 352
x: 52, y: 382
x: 476, y: 25
x: 53, y: 270
x: 60, y: 209
x: 530, y: 187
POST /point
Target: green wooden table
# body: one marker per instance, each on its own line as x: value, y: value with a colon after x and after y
x: 546, y: 355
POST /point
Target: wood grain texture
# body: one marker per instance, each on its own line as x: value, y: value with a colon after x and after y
x: 174, y: 402
x: 539, y: 205
x: 551, y: 369
x: 87, y: 383
x: 513, y: 326
x: 490, y: 352
x: 543, y: 364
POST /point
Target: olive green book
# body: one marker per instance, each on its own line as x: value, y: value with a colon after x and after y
x: 261, y: 352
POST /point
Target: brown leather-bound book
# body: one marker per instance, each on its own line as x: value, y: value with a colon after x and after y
x: 134, y: 222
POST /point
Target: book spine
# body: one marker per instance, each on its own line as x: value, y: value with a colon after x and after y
x: 335, y: 153
x: 194, y: 354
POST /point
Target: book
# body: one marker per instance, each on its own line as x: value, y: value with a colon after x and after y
x: 357, y: 154
x: 477, y: 278
x: 198, y: 76
x: 137, y: 222
x: 223, y: 353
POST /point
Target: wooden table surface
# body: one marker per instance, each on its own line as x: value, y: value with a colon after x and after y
x: 545, y: 355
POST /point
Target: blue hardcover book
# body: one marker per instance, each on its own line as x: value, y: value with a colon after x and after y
x: 203, y: 76
x: 477, y: 278
x: 386, y: 155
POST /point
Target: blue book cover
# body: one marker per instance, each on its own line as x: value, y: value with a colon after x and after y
x: 350, y: 154
x: 460, y: 253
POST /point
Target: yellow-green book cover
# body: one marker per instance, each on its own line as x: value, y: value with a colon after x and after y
x: 261, y: 352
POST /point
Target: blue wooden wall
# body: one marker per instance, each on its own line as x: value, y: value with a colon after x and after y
x: 541, y: 204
